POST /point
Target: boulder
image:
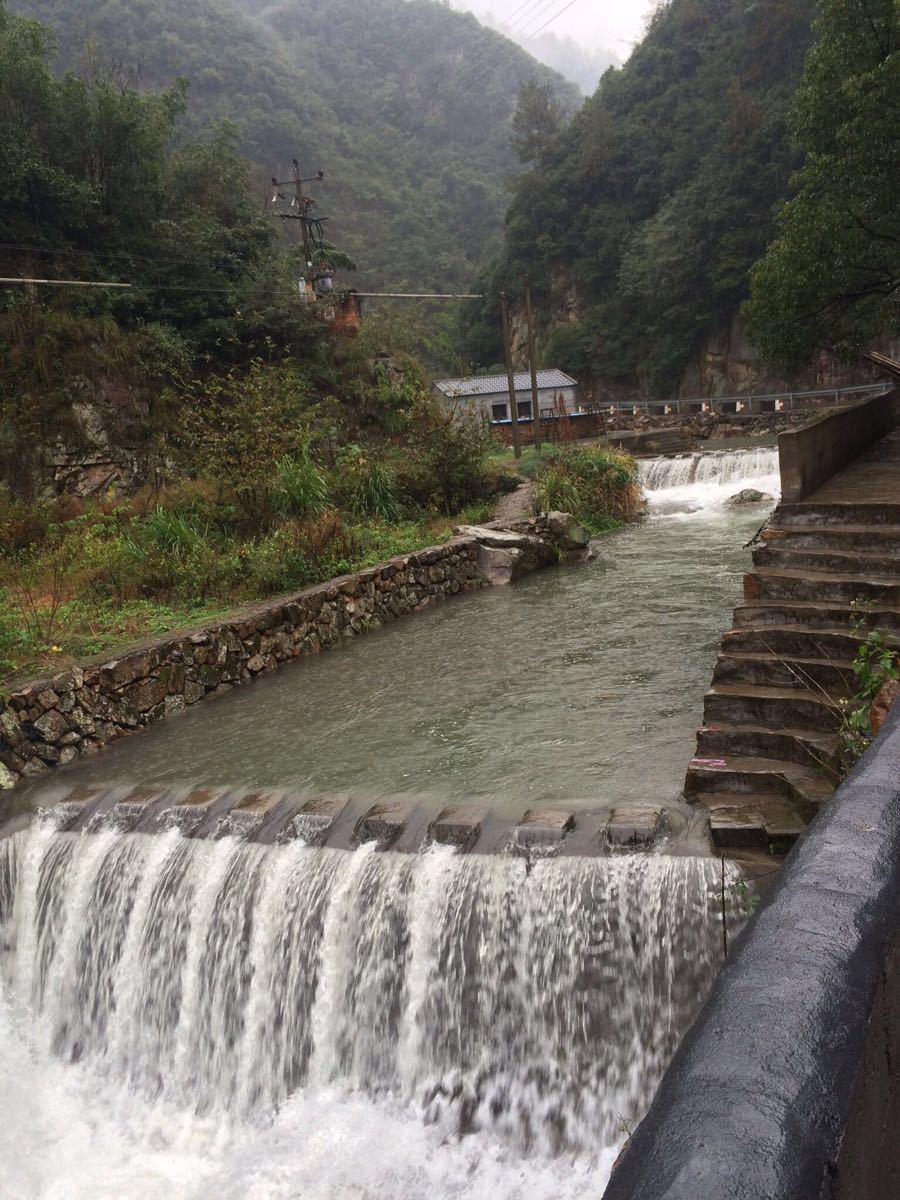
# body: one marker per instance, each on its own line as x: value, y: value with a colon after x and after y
x: 505, y: 539
x: 497, y: 566
x: 566, y: 531
x: 750, y: 496
x: 883, y: 703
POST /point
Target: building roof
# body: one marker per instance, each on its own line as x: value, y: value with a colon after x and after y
x: 496, y: 385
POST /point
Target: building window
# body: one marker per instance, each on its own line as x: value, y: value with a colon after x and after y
x: 499, y: 412
x: 524, y: 409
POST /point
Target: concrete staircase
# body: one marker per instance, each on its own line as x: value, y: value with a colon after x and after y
x: 824, y: 575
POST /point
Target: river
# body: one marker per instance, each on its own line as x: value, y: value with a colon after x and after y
x: 198, y: 1020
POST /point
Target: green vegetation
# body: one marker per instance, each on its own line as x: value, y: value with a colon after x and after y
x: 638, y: 221
x: 266, y: 505
x: 385, y: 101
x: 876, y: 664
x: 270, y: 453
x: 832, y: 275
x: 599, y: 486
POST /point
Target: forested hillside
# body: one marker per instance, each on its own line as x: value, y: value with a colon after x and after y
x: 405, y: 105
x: 639, y: 221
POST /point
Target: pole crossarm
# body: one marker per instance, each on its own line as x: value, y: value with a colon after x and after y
x: 62, y: 282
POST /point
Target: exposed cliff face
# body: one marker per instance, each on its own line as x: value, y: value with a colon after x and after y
x: 101, y: 442
x: 728, y: 365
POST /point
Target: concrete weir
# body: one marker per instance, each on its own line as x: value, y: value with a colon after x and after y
x: 407, y: 823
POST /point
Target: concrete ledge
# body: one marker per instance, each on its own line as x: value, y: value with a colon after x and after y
x: 787, y: 1087
x: 809, y: 456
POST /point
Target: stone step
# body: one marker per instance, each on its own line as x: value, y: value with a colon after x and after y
x: 790, y: 641
x: 777, y: 708
x: 815, y: 614
x: 885, y: 538
x: 808, y: 747
x: 404, y: 823
x: 882, y: 564
x: 766, y: 583
x: 806, y: 788
x: 756, y: 821
x: 836, y: 676
x: 805, y: 513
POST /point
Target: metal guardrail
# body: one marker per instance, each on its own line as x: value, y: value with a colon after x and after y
x: 750, y: 404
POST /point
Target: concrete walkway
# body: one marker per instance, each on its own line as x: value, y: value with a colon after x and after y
x: 874, y: 479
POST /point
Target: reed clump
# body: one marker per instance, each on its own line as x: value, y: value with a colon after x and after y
x: 596, y: 484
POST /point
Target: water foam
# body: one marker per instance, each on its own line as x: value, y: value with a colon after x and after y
x: 206, y: 1020
x: 700, y: 482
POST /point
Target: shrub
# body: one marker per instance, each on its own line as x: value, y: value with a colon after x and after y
x: 366, y: 486
x: 235, y: 427
x: 444, y: 461
x: 598, y: 485
x: 876, y: 663
x: 277, y: 563
x: 13, y: 636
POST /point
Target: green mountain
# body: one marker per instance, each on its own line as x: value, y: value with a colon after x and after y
x: 639, y: 220
x: 405, y: 104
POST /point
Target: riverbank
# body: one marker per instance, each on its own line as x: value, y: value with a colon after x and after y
x: 51, y: 721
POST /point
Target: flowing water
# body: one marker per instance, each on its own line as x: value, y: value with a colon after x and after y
x: 583, y: 683
x: 200, y: 1020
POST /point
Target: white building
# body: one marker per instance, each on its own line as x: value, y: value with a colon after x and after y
x: 489, y: 394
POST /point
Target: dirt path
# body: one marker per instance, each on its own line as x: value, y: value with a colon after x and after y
x: 517, y: 505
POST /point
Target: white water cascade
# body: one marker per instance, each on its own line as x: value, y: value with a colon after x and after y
x: 189, y: 1019
x: 690, y: 483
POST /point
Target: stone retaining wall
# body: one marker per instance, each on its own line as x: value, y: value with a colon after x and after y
x: 51, y: 721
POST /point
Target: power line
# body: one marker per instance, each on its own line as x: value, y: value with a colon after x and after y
x: 260, y: 289
x: 61, y: 282
x: 481, y: 56
x: 565, y: 8
x: 465, y: 78
x: 120, y: 254
x: 507, y: 31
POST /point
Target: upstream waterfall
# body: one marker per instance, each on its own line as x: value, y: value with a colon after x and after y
x: 695, y: 482
x: 212, y: 1019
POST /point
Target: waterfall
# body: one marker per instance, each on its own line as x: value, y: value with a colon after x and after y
x: 248, y: 1015
x: 692, y: 482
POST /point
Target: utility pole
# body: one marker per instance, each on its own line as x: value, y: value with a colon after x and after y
x: 303, y: 204
x: 510, y: 377
x: 301, y: 209
x: 535, y: 411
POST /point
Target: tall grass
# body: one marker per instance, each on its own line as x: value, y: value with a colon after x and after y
x: 301, y: 489
x: 597, y: 485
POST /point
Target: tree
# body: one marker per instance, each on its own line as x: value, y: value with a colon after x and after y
x: 831, y: 277
x: 537, y: 122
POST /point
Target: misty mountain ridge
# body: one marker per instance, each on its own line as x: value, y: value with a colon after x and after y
x: 405, y: 104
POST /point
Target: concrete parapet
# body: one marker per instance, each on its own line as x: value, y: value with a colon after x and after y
x: 787, y: 1087
x: 809, y: 456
